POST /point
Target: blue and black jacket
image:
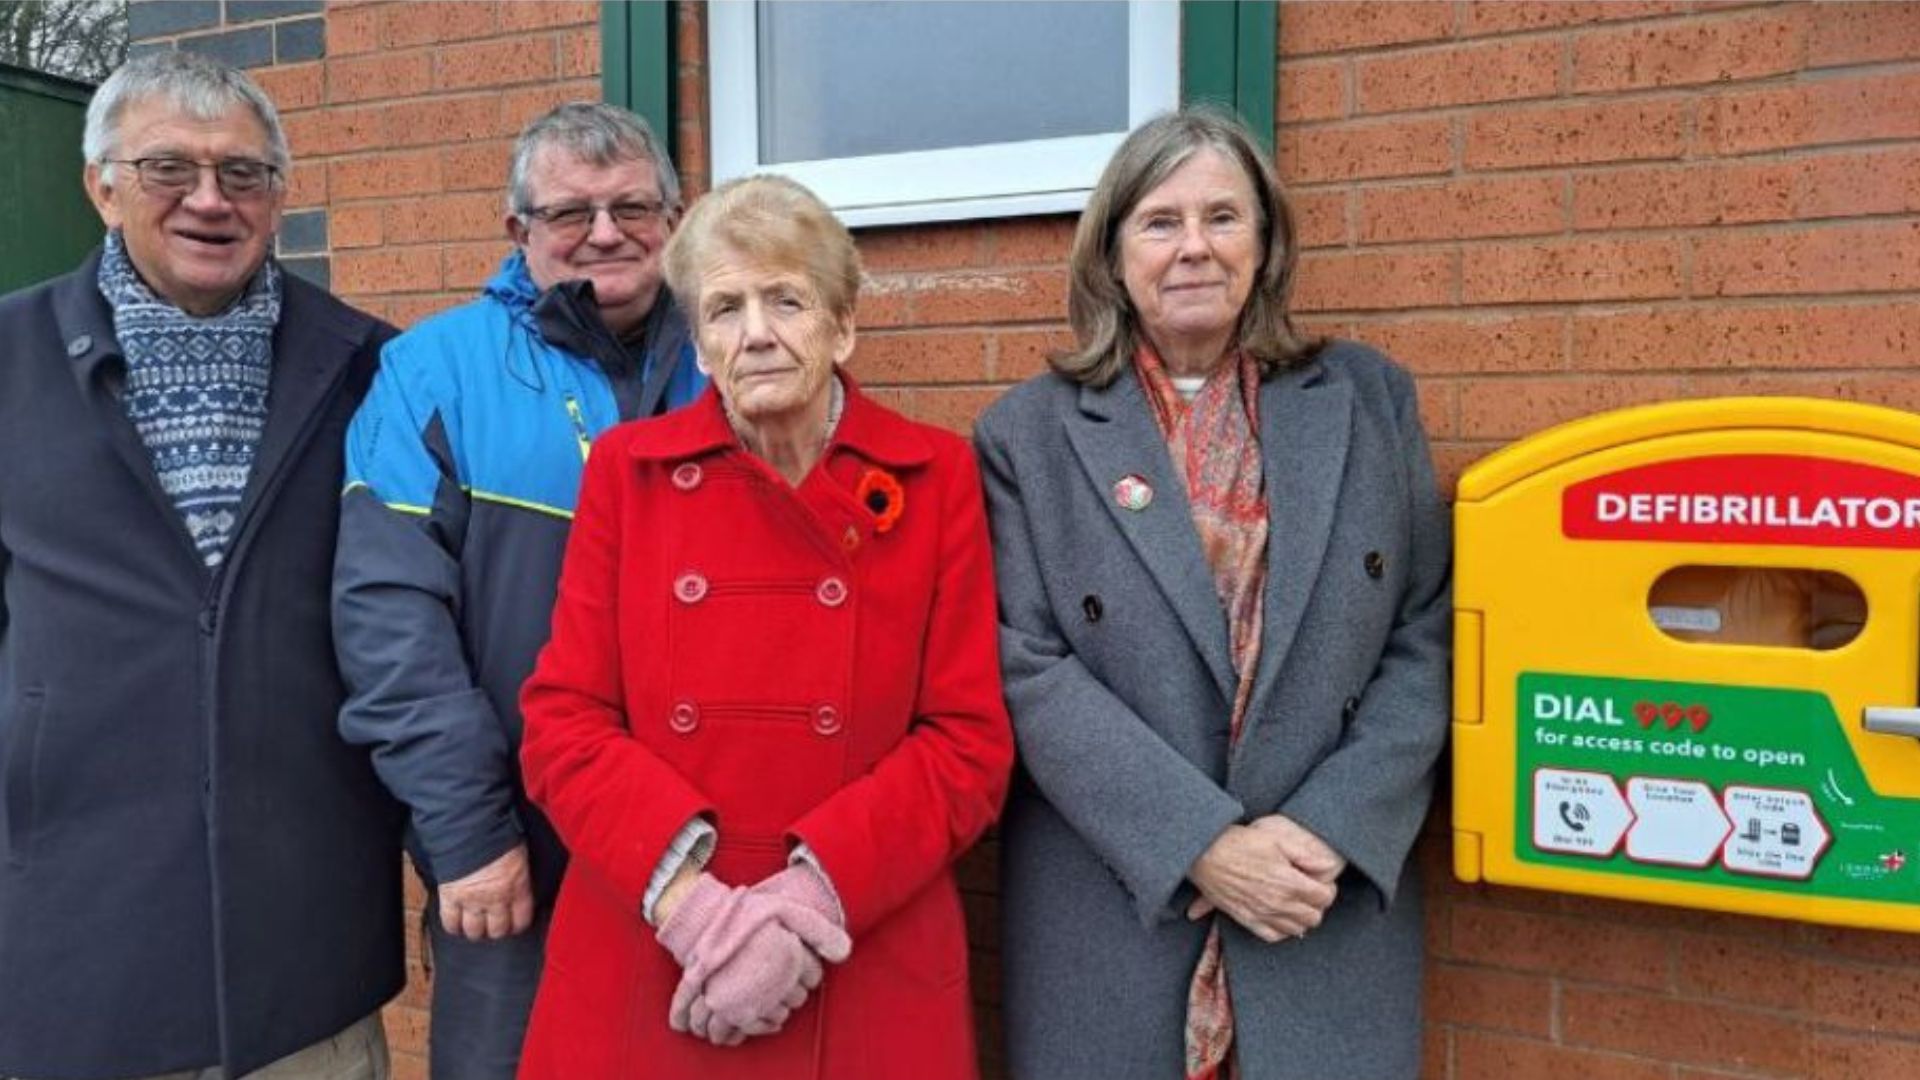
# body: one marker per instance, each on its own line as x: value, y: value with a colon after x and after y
x: 462, y: 469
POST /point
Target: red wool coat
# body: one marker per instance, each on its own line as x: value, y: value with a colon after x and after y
x: 728, y: 645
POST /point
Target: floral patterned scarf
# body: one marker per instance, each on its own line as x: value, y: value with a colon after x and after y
x: 1215, y: 446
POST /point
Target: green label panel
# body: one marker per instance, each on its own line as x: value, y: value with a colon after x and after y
x: 1728, y: 785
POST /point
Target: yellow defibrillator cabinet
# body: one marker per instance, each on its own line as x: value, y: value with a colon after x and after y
x: 1687, y: 660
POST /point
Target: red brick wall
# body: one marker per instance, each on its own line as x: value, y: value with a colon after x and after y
x: 1545, y: 209
x: 1552, y: 209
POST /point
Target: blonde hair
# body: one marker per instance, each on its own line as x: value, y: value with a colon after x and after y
x: 773, y: 220
x: 1104, y: 322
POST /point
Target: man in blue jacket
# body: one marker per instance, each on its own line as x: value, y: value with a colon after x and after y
x: 462, y: 469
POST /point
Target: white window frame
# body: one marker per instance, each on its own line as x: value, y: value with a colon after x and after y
x: 1038, y: 176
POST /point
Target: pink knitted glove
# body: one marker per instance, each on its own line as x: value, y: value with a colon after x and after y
x: 708, y: 903
x: 710, y: 910
x: 753, y: 993
x: 750, y: 956
x: 802, y: 887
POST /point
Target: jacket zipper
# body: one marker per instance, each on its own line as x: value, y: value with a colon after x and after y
x: 579, y: 426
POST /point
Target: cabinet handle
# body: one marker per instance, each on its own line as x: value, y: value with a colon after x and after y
x: 1891, y: 720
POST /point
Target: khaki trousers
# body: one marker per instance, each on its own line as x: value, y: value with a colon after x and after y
x: 358, y: 1053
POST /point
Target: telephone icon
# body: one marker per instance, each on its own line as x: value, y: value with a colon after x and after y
x: 1574, y: 815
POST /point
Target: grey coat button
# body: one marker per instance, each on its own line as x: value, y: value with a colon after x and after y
x: 79, y: 346
x: 1375, y: 563
x: 1093, y: 608
x: 1349, y: 709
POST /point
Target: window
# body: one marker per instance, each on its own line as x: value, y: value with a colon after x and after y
x: 899, y: 112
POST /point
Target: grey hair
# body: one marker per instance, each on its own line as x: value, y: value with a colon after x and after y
x: 595, y: 133
x: 1102, y: 315
x: 201, y: 87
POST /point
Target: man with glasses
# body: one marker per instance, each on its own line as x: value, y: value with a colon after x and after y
x: 198, y: 877
x: 462, y: 471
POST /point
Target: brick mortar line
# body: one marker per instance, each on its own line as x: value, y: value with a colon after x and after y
x: 1848, y: 962
x: 1570, y: 32
x: 976, y: 269
x: 492, y: 35
x: 1779, y: 156
x: 1691, y: 378
x: 433, y: 49
x: 1554, y: 305
x: 1001, y: 384
x: 1788, y: 155
x: 1833, y: 72
x: 1375, y: 316
x: 890, y: 332
x: 1364, y: 121
x: 1714, y: 1069
x: 1557, y: 1041
x: 1576, y: 98
x: 1574, y: 982
x: 1737, y: 230
x: 227, y: 28
x: 1458, y: 36
x: 1588, y: 232
x: 1706, y: 90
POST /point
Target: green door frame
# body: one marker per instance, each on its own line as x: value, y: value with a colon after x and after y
x: 1226, y: 56
x: 637, y: 61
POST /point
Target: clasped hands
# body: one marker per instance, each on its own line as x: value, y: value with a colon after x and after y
x: 1271, y: 875
x: 749, y: 957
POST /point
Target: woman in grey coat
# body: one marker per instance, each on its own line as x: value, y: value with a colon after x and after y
x: 1223, y: 570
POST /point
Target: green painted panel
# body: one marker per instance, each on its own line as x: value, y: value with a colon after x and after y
x: 1207, y: 55
x: 1254, y: 63
x: 637, y: 62
x: 1227, y: 57
x: 46, y: 223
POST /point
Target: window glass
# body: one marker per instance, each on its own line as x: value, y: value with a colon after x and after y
x: 896, y: 111
x: 851, y: 79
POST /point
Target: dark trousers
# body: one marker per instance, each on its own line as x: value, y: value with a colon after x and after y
x: 482, y: 995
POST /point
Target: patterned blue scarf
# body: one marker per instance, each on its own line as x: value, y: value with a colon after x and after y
x: 196, y: 391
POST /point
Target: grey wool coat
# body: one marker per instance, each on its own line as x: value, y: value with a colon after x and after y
x: 1115, y: 651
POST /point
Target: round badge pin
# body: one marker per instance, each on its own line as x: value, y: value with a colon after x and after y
x: 1132, y: 492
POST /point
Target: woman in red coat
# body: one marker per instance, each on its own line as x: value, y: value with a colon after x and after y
x: 769, y: 717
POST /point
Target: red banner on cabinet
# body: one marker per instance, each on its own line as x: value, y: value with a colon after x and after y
x: 1748, y: 499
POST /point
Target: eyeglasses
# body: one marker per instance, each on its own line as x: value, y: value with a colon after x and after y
x: 571, y: 221
x: 174, y: 177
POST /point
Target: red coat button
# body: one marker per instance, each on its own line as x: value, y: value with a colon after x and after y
x: 832, y: 592
x: 826, y: 720
x: 685, y: 717
x: 690, y: 588
x: 687, y: 477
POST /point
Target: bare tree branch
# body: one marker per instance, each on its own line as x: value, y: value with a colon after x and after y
x: 80, y: 39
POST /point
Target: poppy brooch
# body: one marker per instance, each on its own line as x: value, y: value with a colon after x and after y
x: 883, y: 497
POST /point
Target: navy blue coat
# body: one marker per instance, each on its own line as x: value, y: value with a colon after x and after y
x: 194, y: 867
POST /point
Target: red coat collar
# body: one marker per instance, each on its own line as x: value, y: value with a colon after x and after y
x: 868, y: 429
